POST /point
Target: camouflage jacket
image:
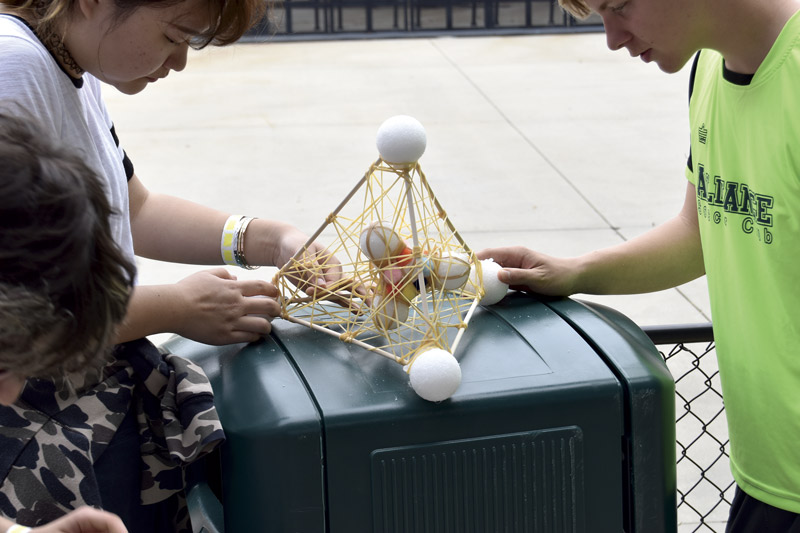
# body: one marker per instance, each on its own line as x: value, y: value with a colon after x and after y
x: 52, y: 436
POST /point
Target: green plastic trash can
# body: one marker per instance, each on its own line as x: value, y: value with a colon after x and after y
x: 564, y: 422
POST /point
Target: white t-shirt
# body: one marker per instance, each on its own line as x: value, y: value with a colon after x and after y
x: 33, y: 83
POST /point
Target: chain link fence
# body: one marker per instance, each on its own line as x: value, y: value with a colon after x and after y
x: 705, y: 484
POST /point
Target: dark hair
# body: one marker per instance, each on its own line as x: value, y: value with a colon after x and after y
x: 231, y: 18
x: 64, y: 283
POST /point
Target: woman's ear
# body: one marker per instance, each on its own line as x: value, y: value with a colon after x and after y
x: 89, y: 9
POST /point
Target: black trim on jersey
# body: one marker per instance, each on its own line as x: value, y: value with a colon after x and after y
x: 692, y: 74
x: 728, y: 75
x: 736, y: 78
x: 77, y: 82
x: 126, y: 162
x: 691, y: 89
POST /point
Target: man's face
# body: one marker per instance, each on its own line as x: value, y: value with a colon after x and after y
x: 654, y: 30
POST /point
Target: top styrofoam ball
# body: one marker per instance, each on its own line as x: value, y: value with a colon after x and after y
x: 401, y: 140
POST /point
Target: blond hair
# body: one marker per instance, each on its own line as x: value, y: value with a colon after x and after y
x: 576, y: 8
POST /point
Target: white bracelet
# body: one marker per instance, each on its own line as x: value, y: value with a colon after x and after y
x: 18, y: 529
x: 229, y: 240
x: 232, y: 243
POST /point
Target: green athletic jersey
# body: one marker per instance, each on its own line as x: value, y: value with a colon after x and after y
x: 745, y: 165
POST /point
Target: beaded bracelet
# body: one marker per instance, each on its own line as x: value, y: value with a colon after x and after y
x: 232, y: 243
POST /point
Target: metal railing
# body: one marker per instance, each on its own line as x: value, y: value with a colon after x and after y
x: 705, y: 484
x: 325, y: 19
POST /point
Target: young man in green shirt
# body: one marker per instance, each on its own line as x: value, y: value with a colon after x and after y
x: 739, y: 225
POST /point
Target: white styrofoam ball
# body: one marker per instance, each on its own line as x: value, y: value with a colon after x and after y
x: 401, y: 139
x: 494, y: 289
x: 390, y: 315
x: 451, y: 271
x: 380, y: 242
x: 435, y: 375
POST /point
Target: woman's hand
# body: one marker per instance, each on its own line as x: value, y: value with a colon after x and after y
x: 210, y: 306
x: 216, y: 308
x: 316, y: 268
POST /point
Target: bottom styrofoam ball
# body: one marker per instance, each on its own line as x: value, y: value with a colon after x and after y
x: 435, y: 375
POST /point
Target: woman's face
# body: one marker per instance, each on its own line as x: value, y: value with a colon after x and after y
x: 141, y: 48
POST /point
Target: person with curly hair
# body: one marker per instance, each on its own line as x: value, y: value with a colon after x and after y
x: 64, y: 282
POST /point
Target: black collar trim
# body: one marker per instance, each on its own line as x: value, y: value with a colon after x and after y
x: 735, y: 77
